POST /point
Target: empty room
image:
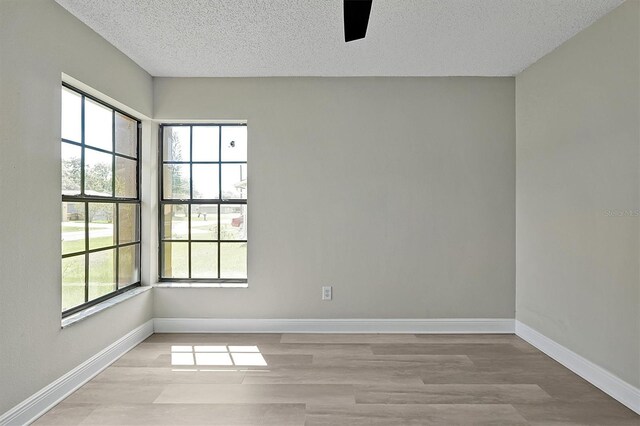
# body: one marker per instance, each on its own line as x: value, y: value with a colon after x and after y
x: 320, y: 212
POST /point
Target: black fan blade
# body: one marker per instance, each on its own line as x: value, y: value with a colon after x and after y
x: 356, y: 18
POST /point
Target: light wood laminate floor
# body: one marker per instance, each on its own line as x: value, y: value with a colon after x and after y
x: 337, y: 379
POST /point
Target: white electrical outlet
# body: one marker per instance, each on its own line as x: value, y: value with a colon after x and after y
x: 326, y: 293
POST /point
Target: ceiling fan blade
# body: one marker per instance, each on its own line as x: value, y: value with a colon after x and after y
x: 356, y: 18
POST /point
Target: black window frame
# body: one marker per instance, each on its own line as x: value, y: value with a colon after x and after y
x: 117, y: 201
x: 191, y: 201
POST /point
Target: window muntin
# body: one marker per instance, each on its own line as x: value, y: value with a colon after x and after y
x: 203, y: 203
x: 100, y: 233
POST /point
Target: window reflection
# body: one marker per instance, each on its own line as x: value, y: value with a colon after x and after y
x: 239, y: 356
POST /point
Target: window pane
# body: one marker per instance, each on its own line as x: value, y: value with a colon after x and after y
x: 205, y: 143
x: 234, y: 181
x: 71, y: 115
x: 175, y: 225
x: 176, y: 144
x: 98, y: 173
x: 234, y: 143
x: 73, y: 228
x: 129, y: 223
x: 176, y: 181
x: 71, y: 167
x: 128, y: 265
x: 175, y: 258
x: 102, y: 273
x: 204, y: 260
x: 126, y: 136
x: 126, y: 174
x: 205, y: 181
x: 101, y: 216
x: 97, y: 125
x: 233, y: 222
x: 72, y: 282
x: 233, y: 260
x: 204, y: 222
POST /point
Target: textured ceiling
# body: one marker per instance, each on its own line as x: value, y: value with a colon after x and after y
x: 201, y: 38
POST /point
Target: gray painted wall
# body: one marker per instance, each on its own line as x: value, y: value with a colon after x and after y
x: 399, y: 192
x: 38, y: 41
x: 578, y: 161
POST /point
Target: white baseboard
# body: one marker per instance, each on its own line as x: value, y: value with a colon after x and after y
x: 609, y: 383
x: 43, y: 400
x: 214, y: 325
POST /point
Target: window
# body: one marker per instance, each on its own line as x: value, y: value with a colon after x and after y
x: 100, y: 148
x: 203, y: 203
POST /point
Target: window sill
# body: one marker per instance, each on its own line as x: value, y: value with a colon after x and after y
x: 84, y: 314
x: 201, y: 285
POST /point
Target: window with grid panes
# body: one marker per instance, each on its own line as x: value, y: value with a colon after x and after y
x: 203, y: 203
x: 100, y: 201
